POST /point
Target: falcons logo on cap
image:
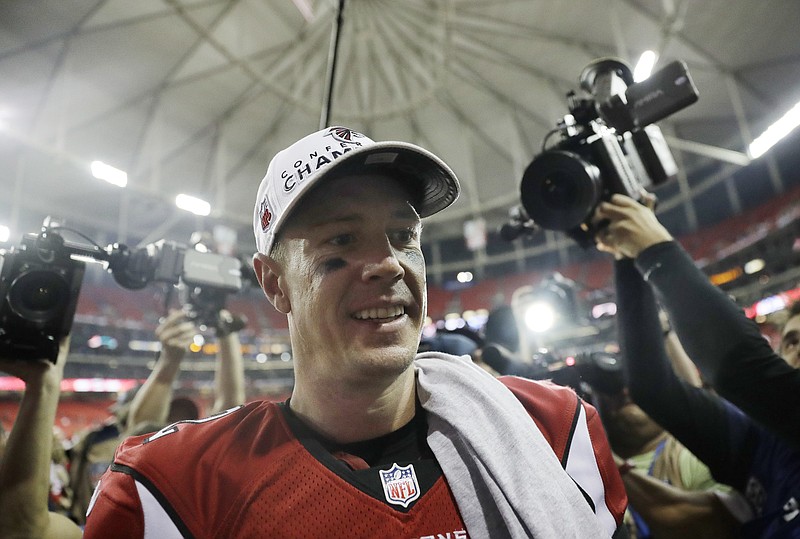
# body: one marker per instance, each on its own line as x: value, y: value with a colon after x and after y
x: 266, y: 215
x: 344, y: 134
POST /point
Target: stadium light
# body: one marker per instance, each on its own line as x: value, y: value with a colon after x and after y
x: 464, y: 277
x: 5, y: 233
x: 644, y: 66
x: 193, y: 204
x: 775, y: 132
x: 107, y: 173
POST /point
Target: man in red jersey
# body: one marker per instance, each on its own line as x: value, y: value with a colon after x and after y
x: 376, y: 440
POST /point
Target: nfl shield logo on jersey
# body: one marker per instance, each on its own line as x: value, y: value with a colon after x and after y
x: 400, y: 484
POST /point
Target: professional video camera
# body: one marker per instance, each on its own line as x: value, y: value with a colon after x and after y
x: 39, y: 286
x: 608, y: 146
x: 203, y: 279
x: 600, y: 371
x: 41, y: 279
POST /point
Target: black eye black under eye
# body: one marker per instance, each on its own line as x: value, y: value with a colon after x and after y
x: 333, y: 264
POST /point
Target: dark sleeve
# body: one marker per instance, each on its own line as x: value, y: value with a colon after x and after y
x: 698, y: 419
x: 727, y: 347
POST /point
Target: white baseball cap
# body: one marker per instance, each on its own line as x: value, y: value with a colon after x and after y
x: 339, y: 151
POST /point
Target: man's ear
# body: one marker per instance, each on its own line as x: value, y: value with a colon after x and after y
x: 270, y: 276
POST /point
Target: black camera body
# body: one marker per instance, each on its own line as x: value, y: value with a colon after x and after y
x: 39, y: 287
x: 601, y: 371
x: 203, y: 279
x: 40, y: 282
x: 206, y: 279
x: 608, y: 146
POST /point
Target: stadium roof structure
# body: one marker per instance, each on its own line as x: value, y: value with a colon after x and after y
x: 195, y: 96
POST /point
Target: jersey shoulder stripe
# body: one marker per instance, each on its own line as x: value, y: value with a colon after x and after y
x: 574, y: 431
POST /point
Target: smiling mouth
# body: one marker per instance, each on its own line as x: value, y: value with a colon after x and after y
x: 380, y: 313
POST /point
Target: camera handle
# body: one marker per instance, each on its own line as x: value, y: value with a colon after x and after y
x: 519, y: 224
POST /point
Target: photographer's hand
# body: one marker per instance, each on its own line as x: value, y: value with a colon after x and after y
x: 25, y: 467
x: 175, y: 333
x: 152, y: 401
x: 229, y: 370
x: 632, y: 227
x: 38, y: 373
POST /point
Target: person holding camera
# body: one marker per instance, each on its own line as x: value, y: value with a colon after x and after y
x: 152, y: 405
x: 154, y: 402
x: 750, y: 438
x: 375, y: 441
x: 25, y: 463
x: 671, y: 492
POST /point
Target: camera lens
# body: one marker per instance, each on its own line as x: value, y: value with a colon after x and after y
x: 38, y: 295
x: 559, y: 190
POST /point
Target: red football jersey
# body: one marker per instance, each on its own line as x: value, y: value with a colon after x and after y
x: 243, y: 473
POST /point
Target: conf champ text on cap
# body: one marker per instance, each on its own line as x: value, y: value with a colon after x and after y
x: 337, y: 151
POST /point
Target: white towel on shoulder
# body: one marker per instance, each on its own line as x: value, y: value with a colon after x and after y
x: 505, y: 477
